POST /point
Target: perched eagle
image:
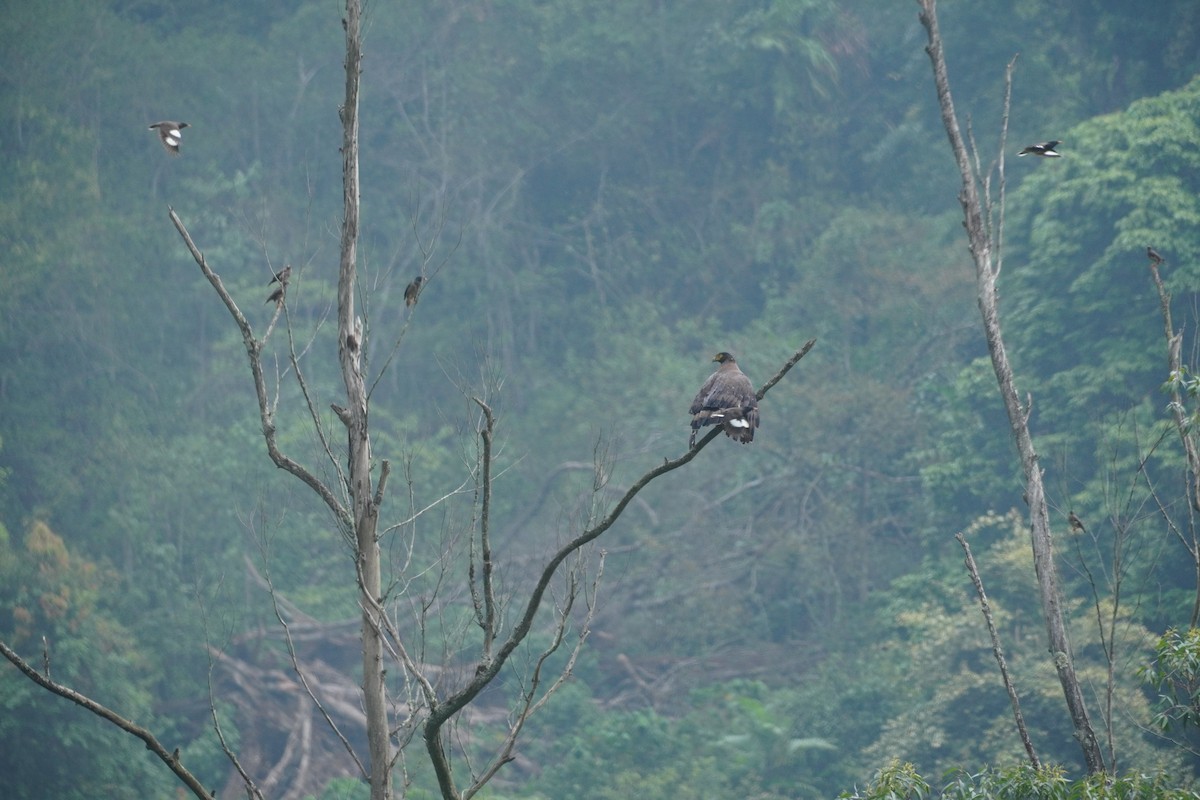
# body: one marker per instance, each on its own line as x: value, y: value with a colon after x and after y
x: 1045, y: 149
x: 1153, y: 255
x: 727, y: 398
x: 170, y: 134
x: 413, y: 291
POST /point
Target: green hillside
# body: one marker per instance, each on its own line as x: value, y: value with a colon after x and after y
x: 601, y: 196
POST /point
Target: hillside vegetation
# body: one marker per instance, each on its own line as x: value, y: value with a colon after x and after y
x: 602, y: 195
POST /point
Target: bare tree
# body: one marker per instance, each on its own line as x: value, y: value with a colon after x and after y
x: 984, y: 223
x: 1183, y: 386
x: 401, y: 693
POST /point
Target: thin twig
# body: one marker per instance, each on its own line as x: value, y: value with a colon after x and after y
x: 998, y: 652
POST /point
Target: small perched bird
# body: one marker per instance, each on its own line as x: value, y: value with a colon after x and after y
x: 170, y: 134
x: 727, y: 399
x: 277, y: 295
x: 283, y: 276
x: 1076, y: 522
x: 412, y: 292
x: 1153, y: 255
x: 1045, y: 149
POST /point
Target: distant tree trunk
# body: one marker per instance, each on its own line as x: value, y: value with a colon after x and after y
x: 365, y: 500
x: 1178, y: 381
x: 984, y: 235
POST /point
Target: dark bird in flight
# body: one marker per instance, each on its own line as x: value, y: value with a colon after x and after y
x: 283, y: 276
x: 1045, y: 149
x: 1076, y: 522
x: 1153, y: 255
x: 412, y: 292
x: 170, y: 134
x: 727, y: 399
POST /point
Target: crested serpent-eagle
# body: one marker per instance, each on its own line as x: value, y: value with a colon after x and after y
x: 727, y: 399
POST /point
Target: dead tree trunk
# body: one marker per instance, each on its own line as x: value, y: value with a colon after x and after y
x: 364, y: 499
x: 1178, y: 382
x: 984, y: 234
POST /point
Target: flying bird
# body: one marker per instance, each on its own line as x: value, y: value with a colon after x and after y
x: 283, y: 276
x: 1045, y: 149
x: 170, y: 134
x: 412, y: 292
x: 1076, y: 522
x: 727, y: 399
x: 1153, y: 255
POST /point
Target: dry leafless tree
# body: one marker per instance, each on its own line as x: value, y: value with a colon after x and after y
x: 983, y: 218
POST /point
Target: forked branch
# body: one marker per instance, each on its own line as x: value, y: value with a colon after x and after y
x: 441, y: 713
x: 254, y: 354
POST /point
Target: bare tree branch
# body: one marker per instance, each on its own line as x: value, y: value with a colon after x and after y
x: 254, y: 353
x: 291, y: 649
x: 170, y: 758
x: 441, y: 713
x: 485, y: 606
x: 998, y: 652
x: 531, y: 702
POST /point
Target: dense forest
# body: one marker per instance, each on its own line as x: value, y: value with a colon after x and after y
x: 600, y: 197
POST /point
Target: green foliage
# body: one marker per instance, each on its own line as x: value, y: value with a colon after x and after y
x: 896, y: 781
x: 738, y: 739
x: 938, y: 658
x: 1079, y: 229
x: 899, y: 781
x: 1175, y: 675
x: 1080, y: 313
x: 621, y: 190
x: 59, y: 619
